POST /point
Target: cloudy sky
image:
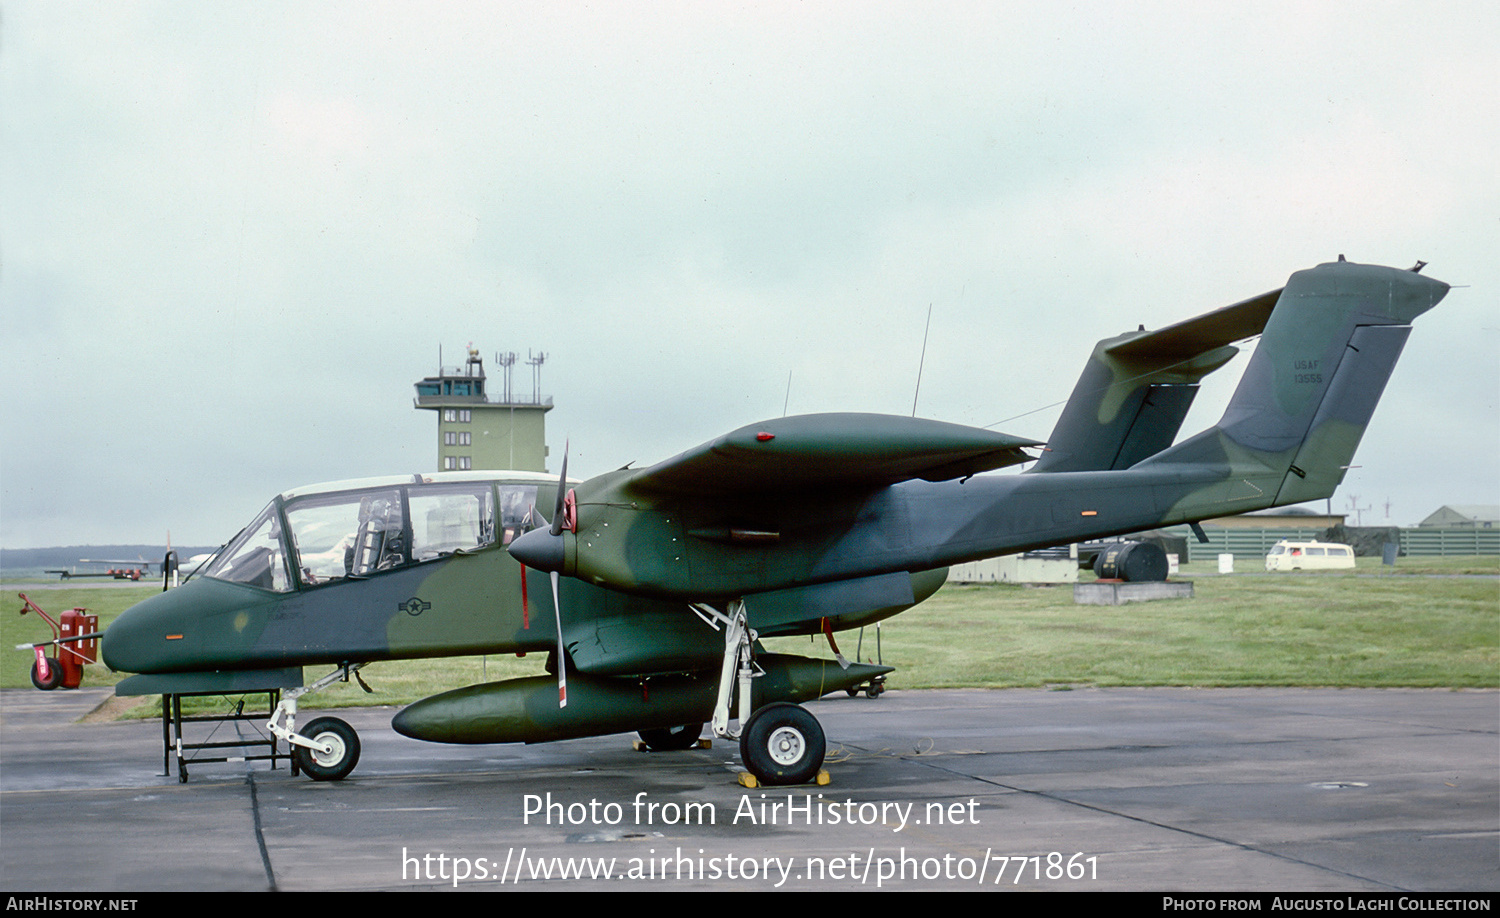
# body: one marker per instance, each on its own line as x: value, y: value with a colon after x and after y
x: 233, y: 234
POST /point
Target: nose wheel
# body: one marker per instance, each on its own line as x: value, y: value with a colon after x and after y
x: 327, y: 749
x: 782, y: 744
x: 335, y: 753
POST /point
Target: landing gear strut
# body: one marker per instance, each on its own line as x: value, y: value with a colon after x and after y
x: 780, y: 743
x: 329, y: 749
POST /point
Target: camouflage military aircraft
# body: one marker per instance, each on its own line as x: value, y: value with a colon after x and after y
x: 794, y: 526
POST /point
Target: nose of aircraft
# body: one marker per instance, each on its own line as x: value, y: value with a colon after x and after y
x: 201, y: 624
x: 539, y: 550
x: 124, y: 641
x: 138, y: 641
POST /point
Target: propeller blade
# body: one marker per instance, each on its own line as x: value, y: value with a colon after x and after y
x: 562, y: 494
x: 562, y: 665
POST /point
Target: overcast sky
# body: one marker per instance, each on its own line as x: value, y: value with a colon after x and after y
x: 232, y: 235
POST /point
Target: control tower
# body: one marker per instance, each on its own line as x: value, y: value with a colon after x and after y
x: 476, y: 431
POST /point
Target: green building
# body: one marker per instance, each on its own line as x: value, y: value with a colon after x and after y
x: 476, y: 431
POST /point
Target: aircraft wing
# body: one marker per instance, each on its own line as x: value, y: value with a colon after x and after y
x: 832, y: 450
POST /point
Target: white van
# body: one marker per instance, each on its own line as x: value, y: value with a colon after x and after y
x: 1311, y: 556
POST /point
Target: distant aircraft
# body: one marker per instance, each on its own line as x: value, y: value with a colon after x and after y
x: 652, y: 587
x: 133, y: 568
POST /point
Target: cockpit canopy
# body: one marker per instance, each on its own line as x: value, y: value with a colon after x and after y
x: 338, y: 532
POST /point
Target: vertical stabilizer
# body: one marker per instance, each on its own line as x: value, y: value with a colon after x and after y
x: 1311, y: 386
x: 1135, y: 391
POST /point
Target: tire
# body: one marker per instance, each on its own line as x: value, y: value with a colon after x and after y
x: 336, y: 764
x: 852, y: 692
x: 54, y: 676
x: 671, y: 739
x: 782, y: 744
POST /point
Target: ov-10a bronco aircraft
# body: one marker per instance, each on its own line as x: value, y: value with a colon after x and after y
x: 794, y: 526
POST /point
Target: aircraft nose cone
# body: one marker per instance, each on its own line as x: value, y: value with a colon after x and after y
x: 539, y: 550
x: 203, y: 624
x: 121, y: 644
x: 134, y: 642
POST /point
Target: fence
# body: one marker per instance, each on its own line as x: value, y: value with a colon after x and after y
x: 1450, y: 541
x: 1251, y: 543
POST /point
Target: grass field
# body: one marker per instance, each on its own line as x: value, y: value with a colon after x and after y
x: 1279, y: 629
x: 1415, y: 625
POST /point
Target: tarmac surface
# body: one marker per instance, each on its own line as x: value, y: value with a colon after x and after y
x: 1261, y: 790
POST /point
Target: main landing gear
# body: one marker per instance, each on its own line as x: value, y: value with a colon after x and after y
x: 328, y: 748
x: 780, y: 743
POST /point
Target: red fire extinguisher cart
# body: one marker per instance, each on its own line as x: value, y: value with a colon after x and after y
x: 76, y: 639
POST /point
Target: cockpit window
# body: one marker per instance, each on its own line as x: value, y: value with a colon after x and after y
x: 359, y: 533
x: 354, y: 534
x: 343, y: 535
x: 516, y: 505
x: 257, y: 557
x: 379, y: 540
x: 450, y: 518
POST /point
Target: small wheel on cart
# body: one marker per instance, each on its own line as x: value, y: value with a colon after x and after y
x: 875, y: 690
x: 782, y: 744
x: 54, y: 676
x: 342, y: 754
x: 852, y: 691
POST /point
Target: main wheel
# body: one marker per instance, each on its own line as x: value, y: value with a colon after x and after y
x: 343, y: 753
x: 54, y: 676
x: 671, y: 739
x: 782, y: 744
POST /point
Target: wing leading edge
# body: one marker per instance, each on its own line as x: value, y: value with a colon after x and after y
x: 832, y: 450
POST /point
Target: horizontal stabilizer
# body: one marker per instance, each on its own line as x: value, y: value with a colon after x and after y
x: 832, y: 450
x: 1201, y: 334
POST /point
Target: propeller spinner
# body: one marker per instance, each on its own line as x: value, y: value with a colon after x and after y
x: 543, y: 549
